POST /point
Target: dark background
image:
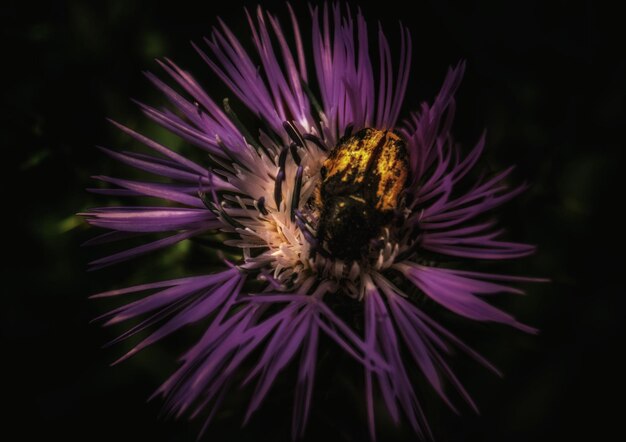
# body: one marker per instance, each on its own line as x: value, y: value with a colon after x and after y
x: 545, y: 82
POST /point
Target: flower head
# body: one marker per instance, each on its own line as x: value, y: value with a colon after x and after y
x: 329, y: 199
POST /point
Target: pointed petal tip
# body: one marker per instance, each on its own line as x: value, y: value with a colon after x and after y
x: 460, y: 66
x: 158, y: 392
x: 526, y: 328
x: 123, y: 358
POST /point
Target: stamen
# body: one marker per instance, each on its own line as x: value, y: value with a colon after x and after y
x: 246, y: 207
x: 278, y: 195
x: 294, y: 133
x: 295, y: 196
x: 293, y: 148
x: 228, y: 153
x: 317, y: 140
x: 304, y: 221
x: 205, y: 200
x: 229, y: 219
x: 203, y: 197
x: 223, y: 164
x: 216, y: 207
x: 282, y: 158
x: 260, y: 205
x: 307, y: 234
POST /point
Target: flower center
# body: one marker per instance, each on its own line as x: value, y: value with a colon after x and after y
x: 360, y: 191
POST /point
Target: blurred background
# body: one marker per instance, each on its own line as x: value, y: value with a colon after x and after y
x: 542, y: 79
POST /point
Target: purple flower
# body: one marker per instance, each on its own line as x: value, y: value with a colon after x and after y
x: 262, y: 192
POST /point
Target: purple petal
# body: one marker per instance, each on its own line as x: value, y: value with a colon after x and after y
x: 143, y: 249
x: 458, y: 293
x: 190, y: 165
x: 151, y: 219
x: 155, y: 190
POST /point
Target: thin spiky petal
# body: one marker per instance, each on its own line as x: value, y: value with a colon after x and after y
x: 394, y: 383
x: 460, y: 292
x: 185, y: 301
